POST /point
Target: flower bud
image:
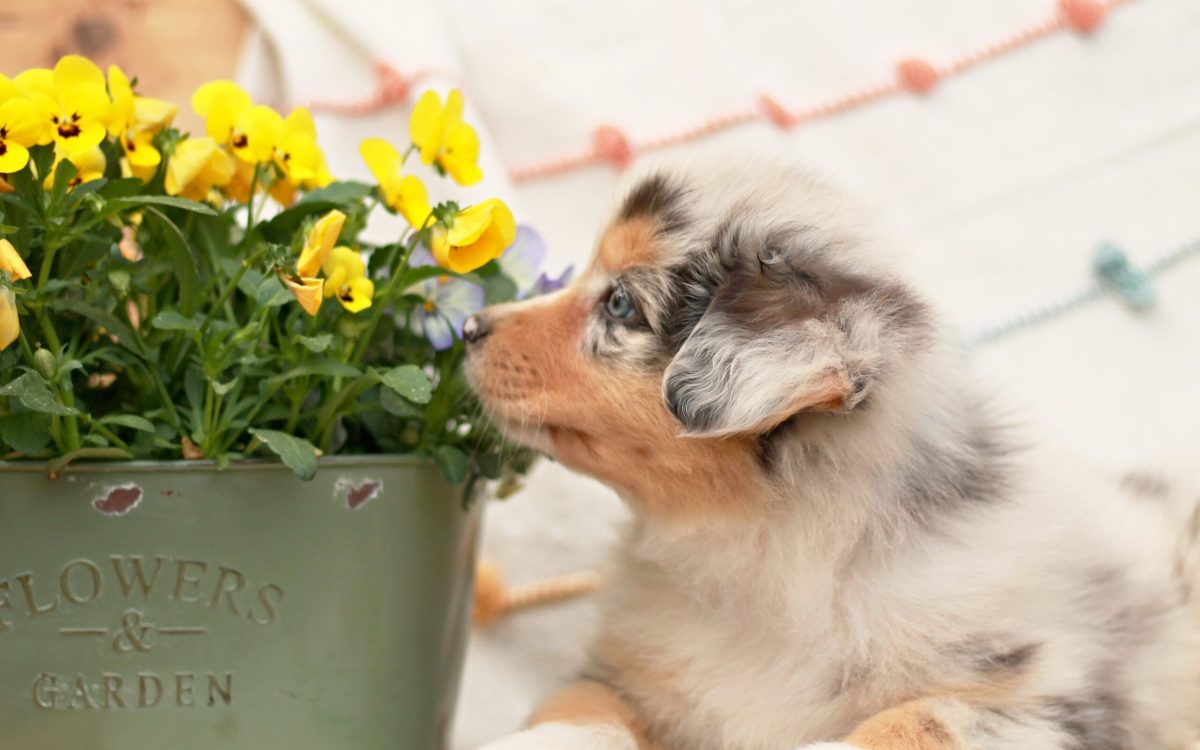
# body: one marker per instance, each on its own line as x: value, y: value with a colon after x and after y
x: 45, y: 363
x: 94, y: 202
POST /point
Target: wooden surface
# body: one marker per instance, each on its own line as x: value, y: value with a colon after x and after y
x: 172, y: 46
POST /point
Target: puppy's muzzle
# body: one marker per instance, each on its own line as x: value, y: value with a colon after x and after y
x: 476, y: 329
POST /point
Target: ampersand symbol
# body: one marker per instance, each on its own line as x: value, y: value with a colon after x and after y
x: 133, y: 634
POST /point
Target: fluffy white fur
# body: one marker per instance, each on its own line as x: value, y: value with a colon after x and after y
x: 889, y: 562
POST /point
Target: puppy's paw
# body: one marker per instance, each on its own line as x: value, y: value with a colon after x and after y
x: 555, y: 736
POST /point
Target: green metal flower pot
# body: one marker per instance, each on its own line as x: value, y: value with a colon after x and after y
x: 171, y: 605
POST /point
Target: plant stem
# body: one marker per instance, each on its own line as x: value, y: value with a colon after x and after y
x: 66, y: 396
x: 100, y: 428
x: 329, y: 414
x: 397, y: 273
x: 55, y: 433
x: 230, y: 288
x: 47, y: 263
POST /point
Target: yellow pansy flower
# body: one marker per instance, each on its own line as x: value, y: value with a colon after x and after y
x: 140, y: 152
x: 27, y: 85
x: 346, y: 277
x: 307, y: 291
x: 9, y: 89
x: 320, y: 241
x: 405, y: 195
x: 20, y: 128
x: 239, y: 188
x: 284, y: 190
x: 72, y: 100
x: 10, y: 323
x: 197, y: 166
x: 442, y: 137
x: 10, y: 262
x: 135, y: 120
x: 306, y: 287
x: 220, y: 103
x: 151, y: 113
x: 120, y: 112
x: 299, y: 157
x: 89, y: 165
x: 256, y: 133
x: 473, y: 236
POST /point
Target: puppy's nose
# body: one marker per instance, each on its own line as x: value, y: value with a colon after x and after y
x: 476, y: 329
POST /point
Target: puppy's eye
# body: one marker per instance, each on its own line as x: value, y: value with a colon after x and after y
x: 619, y: 305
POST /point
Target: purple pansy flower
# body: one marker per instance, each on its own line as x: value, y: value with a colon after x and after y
x: 522, y: 262
x: 448, y: 302
x: 545, y: 284
x: 523, y: 259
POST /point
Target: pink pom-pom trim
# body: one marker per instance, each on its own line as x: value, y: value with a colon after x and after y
x: 1082, y: 15
x: 917, y: 75
x: 611, y: 145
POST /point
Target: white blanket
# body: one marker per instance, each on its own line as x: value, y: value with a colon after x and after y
x: 999, y: 184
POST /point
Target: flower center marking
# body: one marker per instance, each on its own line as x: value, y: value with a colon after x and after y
x: 241, y: 141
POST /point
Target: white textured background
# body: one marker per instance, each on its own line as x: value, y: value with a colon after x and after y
x: 999, y: 185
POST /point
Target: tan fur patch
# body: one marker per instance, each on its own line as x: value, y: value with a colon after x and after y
x: 605, y: 421
x: 591, y: 703
x: 911, y: 726
x: 629, y: 244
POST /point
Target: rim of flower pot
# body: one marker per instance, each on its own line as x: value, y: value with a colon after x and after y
x: 179, y: 467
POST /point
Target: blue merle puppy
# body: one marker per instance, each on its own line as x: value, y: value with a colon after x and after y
x: 833, y: 545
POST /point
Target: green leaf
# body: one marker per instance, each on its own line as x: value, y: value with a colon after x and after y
x: 316, y: 344
x: 409, y: 381
x: 328, y: 367
x: 183, y: 262
x: 125, y: 334
x: 124, y: 204
x: 28, y: 432
x: 62, y: 180
x: 42, y: 157
x: 271, y: 293
x: 347, y: 191
x: 418, y: 274
x: 31, y: 390
x: 491, y: 465
x: 120, y: 281
x: 452, y: 463
x: 222, y: 389
x: 283, y: 226
x: 497, y: 289
x: 132, y: 421
x: 297, y: 453
x: 396, y: 405
x: 122, y: 188
x: 169, y: 320
x: 88, y: 187
x: 17, y: 200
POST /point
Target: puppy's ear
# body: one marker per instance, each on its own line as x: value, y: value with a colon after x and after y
x: 778, y: 338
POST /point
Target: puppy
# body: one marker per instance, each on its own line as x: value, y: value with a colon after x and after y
x: 833, y: 545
